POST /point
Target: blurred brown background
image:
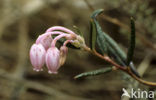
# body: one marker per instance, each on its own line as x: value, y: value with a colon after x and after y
x: 21, y: 21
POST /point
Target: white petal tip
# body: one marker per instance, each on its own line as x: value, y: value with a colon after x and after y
x: 50, y: 72
x: 37, y: 70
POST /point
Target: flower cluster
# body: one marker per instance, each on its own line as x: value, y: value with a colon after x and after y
x: 44, y: 50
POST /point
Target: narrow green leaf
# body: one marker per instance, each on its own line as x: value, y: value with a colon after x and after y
x: 131, y: 48
x: 96, y: 12
x: 112, y: 53
x: 106, y: 44
x: 101, y: 42
x: 116, y: 47
x: 95, y: 72
x: 92, y: 34
x: 93, y: 31
x: 132, y: 43
x: 109, y: 46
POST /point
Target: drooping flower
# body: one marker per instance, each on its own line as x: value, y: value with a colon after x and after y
x: 37, y: 56
x: 52, y: 60
x: 45, y: 50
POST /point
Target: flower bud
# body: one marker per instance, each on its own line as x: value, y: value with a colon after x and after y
x: 63, y: 54
x: 52, y: 60
x: 37, y: 56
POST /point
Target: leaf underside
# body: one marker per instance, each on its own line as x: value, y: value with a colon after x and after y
x: 94, y: 73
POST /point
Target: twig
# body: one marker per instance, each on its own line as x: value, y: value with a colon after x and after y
x: 123, y: 68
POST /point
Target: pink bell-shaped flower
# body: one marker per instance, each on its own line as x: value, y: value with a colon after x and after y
x: 52, y: 60
x: 37, y: 56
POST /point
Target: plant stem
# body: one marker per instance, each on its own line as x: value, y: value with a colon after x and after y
x: 123, y: 68
x: 141, y: 80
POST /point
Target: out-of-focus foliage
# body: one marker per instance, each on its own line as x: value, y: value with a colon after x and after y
x: 143, y: 11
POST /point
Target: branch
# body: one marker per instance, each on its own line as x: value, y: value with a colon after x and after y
x: 123, y: 68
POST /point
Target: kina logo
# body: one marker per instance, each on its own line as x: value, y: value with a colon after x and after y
x: 138, y: 93
x: 125, y: 93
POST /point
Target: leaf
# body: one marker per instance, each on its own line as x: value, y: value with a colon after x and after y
x: 93, y: 34
x: 112, y: 53
x: 95, y: 72
x: 132, y: 43
x: 106, y: 44
x: 131, y: 48
x: 93, y: 31
x: 101, y: 42
x: 96, y: 12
